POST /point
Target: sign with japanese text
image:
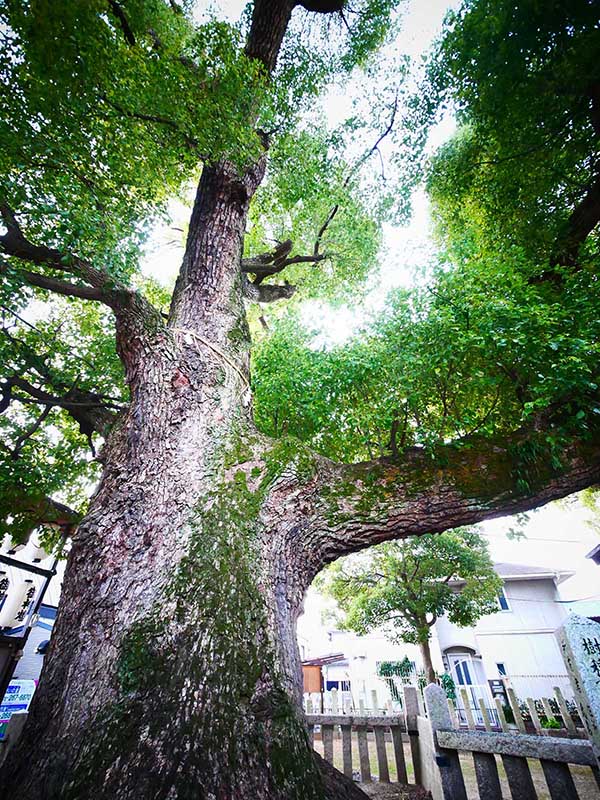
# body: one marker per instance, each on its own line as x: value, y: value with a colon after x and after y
x: 17, y: 698
x: 579, y: 640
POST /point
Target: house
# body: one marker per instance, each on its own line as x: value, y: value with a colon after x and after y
x: 515, y: 645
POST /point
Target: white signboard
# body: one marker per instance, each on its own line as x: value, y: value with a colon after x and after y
x: 17, y: 698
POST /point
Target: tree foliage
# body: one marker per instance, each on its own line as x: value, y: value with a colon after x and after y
x: 404, y: 587
x: 503, y: 329
x: 108, y: 111
x: 111, y: 109
x: 523, y: 169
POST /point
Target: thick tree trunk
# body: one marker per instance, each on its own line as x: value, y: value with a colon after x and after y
x: 173, y: 670
x: 427, y: 663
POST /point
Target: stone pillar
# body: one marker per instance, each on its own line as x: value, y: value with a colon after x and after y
x: 579, y: 641
x: 411, y: 712
x: 446, y: 761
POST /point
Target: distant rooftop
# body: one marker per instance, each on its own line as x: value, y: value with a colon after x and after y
x: 522, y: 572
x: 595, y: 554
x: 507, y: 571
x: 319, y: 661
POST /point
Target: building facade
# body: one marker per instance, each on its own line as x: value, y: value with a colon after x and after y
x: 515, y: 644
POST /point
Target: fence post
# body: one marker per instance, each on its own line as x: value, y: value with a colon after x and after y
x: 534, y: 717
x: 327, y: 737
x: 453, y: 714
x: 486, y: 771
x: 467, y: 709
x: 411, y: 712
x: 579, y: 641
x: 514, y: 704
x: 548, y: 709
x: 374, y: 701
x: 347, y: 750
x: 438, y: 713
x: 564, y: 711
x: 334, y: 701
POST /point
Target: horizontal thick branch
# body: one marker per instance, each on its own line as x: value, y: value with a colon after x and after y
x: 14, y: 243
x: 55, y: 285
x: 360, y: 505
x: 138, y: 322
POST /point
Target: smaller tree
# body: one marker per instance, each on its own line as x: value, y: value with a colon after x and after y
x: 406, y: 586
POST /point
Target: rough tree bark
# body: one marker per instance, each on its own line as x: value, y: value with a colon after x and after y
x: 173, y: 670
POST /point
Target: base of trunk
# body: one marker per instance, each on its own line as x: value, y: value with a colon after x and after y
x: 337, y: 785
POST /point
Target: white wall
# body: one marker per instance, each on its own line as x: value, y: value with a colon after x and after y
x: 521, y: 638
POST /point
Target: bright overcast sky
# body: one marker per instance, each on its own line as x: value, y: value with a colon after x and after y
x: 557, y: 535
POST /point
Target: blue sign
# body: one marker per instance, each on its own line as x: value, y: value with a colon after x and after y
x: 17, y: 698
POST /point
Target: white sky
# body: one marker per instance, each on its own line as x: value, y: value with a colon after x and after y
x: 557, y: 535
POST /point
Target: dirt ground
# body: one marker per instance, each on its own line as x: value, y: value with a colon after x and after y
x: 582, y: 776
x: 392, y: 791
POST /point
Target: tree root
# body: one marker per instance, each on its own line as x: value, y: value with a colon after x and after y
x: 337, y: 785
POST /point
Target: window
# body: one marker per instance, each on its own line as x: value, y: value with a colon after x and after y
x: 502, y: 600
x: 501, y: 667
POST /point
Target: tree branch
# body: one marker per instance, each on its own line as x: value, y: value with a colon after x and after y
x: 28, y: 433
x: 91, y: 411
x: 137, y: 320
x: 365, y: 157
x: 581, y: 223
x: 54, y: 285
x: 42, y: 510
x: 359, y: 505
x: 123, y: 22
x: 323, y: 6
x: 270, y: 19
x: 275, y: 261
x: 15, y: 244
x: 190, y: 141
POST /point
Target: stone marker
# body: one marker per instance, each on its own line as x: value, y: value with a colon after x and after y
x: 447, y: 761
x: 579, y: 641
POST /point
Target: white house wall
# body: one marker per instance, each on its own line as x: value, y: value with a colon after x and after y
x: 521, y: 638
x: 363, y: 654
x: 533, y: 662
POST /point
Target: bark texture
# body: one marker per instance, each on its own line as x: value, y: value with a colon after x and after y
x: 173, y: 670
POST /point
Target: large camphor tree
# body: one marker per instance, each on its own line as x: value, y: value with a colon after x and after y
x: 173, y: 670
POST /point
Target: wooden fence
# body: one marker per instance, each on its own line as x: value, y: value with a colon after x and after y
x: 357, y: 733
x: 441, y: 741
x: 382, y: 729
x: 542, y: 714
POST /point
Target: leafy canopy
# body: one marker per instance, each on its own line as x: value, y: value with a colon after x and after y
x: 524, y: 81
x: 104, y: 117
x: 404, y: 587
x: 503, y: 328
x: 108, y: 111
